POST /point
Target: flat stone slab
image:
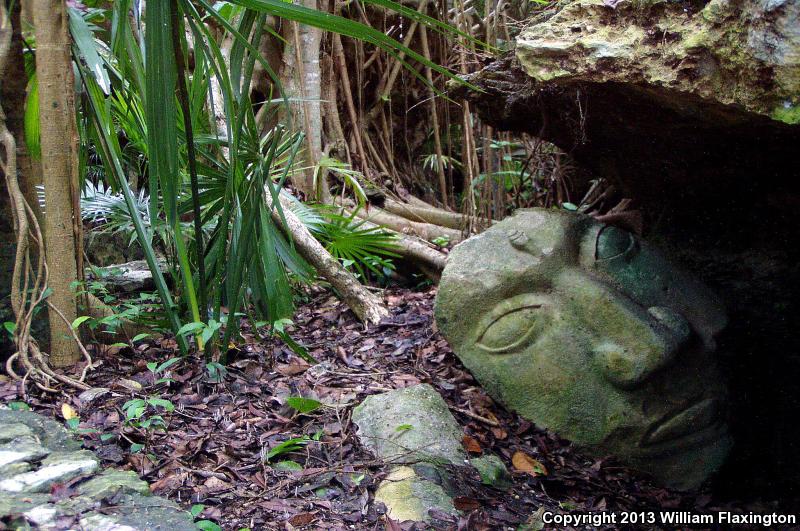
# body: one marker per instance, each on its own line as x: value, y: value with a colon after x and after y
x: 410, y: 425
x: 57, y: 468
x: 37, y: 453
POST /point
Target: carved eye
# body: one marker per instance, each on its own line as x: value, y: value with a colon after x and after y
x: 511, y: 329
x: 613, y: 242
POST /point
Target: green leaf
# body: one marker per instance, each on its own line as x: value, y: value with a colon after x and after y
x: 569, y: 206
x: 19, y: 406
x: 139, y: 337
x: 107, y: 436
x: 197, y: 509
x: 303, y: 405
x: 292, y: 445
x: 84, y: 40
x: 10, y: 326
x: 166, y: 365
x: 31, y: 125
x: 297, y: 348
x: 288, y: 466
x: 73, y: 423
x: 190, y: 328
x: 207, y: 525
x: 136, y: 448
x: 79, y: 321
x: 403, y: 427
x: 160, y: 402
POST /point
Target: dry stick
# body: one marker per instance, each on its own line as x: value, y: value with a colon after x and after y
x: 387, y: 84
x: 437, y: 140
x: 332, y: 110
x: 338, y: 54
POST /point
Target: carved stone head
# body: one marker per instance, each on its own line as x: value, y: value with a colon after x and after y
x: 592, y: 333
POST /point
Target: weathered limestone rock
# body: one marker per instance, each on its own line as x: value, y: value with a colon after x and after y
x: 668, y: 100
x: 110, y: 482
x: 591, y: 332
x: 56, y: 468
x: 409, y: 426
x: 128, y: 277
x: 739, y: 53
x: 413, y: 427
x: 39, y: 454
x: 408, y: 496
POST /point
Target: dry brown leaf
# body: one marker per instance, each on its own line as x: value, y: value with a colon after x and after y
x: 302, y: 519
x: 499, y: 433
x: 292, y: 369
x: 130, y: 385
x: 524, y: 463
x: 471, y: 445
x: 213, y: 484
x: 467, y: 504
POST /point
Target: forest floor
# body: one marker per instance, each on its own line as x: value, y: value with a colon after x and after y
x: 213, y: 449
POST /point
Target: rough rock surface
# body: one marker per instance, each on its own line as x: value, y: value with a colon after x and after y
x: 413, y: 428
x: 128, y: 277
x: 408, y: 496
x: 668, y: 100
x: 409, y: 426
x: 37, y: 454
x: 743, y: 53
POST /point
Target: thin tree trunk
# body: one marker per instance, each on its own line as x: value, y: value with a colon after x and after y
x: 302, y: 77
x: 12, y: 94
x: 437, y: 140
x: 59, y: 169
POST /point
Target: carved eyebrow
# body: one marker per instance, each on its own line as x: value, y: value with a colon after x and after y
x: 522, y: 242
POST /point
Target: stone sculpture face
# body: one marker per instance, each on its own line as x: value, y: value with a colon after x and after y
x: 592, y: 333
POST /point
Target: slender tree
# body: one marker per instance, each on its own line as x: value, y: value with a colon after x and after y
x: 59, y: 171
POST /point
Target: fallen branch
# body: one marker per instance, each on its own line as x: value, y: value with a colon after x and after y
x: 368, y: 307
x: 424, y: 230
x: 428, y: 214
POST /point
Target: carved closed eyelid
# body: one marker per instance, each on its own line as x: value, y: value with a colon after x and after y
x: 613, y: 242
x: 510, y: 330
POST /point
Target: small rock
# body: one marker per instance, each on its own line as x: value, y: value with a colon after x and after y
x: 100, y: 522
x: 493, y: 471
x: 92, y: 394
x: 42, y: 515
x: 410, y: 425
x: 410, y: 497
x: 15, y: 431
x: 57, y: 468
x: 111, y: 482
x: 24, y: 448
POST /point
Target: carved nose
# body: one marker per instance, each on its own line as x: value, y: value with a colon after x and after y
x: 628, y: 364
x: 678, y: 326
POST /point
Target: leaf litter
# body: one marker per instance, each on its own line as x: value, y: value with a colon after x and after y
x: 272, y: 446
